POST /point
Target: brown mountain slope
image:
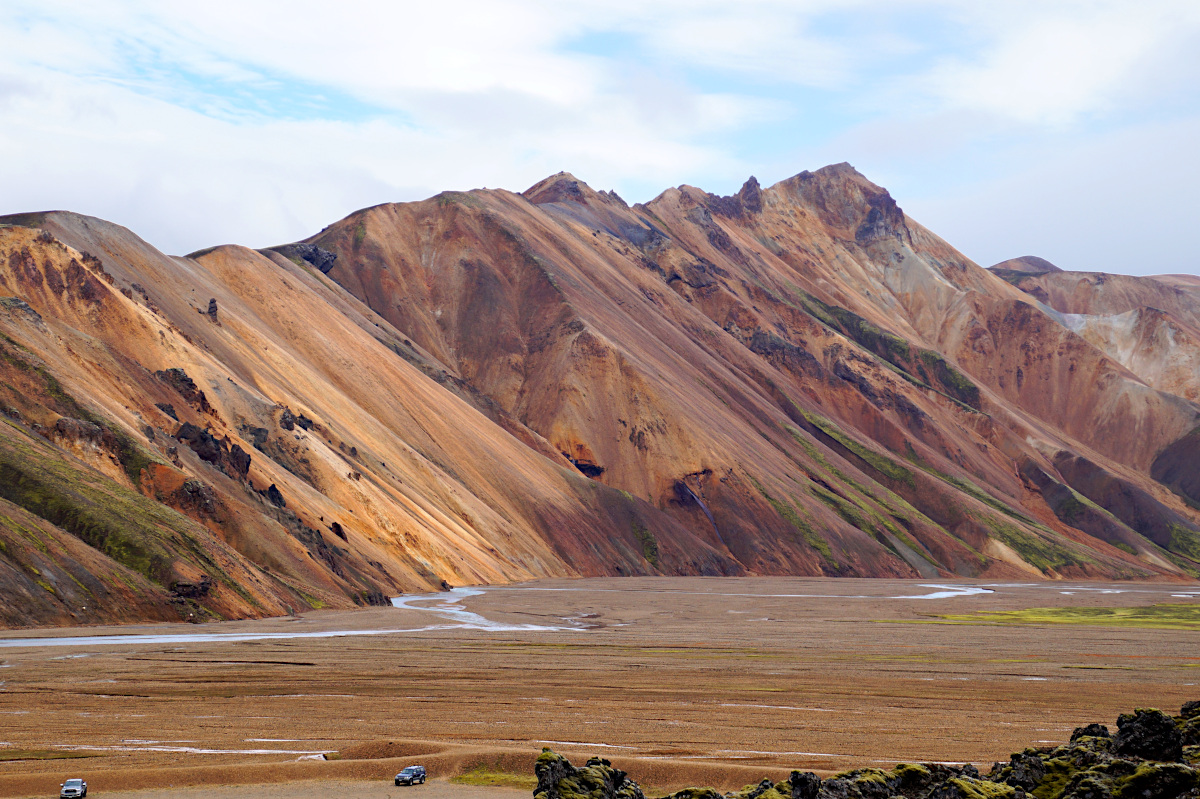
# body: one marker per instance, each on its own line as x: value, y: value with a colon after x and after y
x: 383, y: 480
x: 489, y: 386
x: 699, y: 351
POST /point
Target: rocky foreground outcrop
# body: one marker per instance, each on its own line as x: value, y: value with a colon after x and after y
x: 1151, y: 756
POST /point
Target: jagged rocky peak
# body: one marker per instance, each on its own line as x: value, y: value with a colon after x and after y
x: 747, y: 201
x: 565, y: 187
x: 1026, y: 264
x: 846, y: 201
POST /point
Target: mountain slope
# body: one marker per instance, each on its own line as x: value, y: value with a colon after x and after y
x: 490, y: 386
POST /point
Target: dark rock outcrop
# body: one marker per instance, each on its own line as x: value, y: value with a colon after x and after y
x: 186, y: 388
x: 558, y: 779
x: 309, y: 253
x: 233, y: 460
x: 274, y: 496
x: 1091, y: 731
x: 1149, y: 734
x: 1092, y: 766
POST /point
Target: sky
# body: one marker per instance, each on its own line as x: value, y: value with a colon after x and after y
x: 1067, y: 130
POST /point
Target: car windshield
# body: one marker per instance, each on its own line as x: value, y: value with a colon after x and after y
x: 409, y: 770
x: 74, y: 783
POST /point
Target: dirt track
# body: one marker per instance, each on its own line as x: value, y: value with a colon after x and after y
x: 683, y: 681
x: 323, y: 789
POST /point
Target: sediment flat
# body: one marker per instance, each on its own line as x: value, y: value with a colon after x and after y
x: 679, y: 680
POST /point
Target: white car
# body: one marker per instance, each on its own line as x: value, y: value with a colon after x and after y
x: 72, y: 789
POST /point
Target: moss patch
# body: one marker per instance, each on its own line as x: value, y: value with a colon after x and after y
x: 485, y: 775
x: 1185, y: 542
x: 647, y: 540
x: 1169, y: 617
x: 877, y: 461
x: 789, y: 514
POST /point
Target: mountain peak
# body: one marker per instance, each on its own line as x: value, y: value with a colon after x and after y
x: 845, y: 199
x: 560, y: 187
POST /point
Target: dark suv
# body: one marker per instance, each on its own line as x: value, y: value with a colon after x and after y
x: 411, y: 775
x: 73, y: 789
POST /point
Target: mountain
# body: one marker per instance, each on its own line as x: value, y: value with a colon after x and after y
x: 487, y: 386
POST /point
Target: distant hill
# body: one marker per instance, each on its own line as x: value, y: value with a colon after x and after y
x: 1029, y: 264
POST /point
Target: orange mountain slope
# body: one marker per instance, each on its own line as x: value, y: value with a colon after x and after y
x: 488, y: 386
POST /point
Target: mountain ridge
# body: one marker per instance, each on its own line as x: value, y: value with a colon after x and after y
x: 797, y: 379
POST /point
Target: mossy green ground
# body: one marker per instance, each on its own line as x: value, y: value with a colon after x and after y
x: 1173, y: 616
x: 484, y: 775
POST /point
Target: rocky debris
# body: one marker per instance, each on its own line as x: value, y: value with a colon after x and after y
x: 168, y: 409
x: 232, y: 460
x: 186, y: 387
x: 1094, y: 765
x: 313, y: 255
x: 558, y: 779
x: 337, y: 530
x: 212, y: 309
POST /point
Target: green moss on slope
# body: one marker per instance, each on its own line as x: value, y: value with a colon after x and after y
x: 789, y: 514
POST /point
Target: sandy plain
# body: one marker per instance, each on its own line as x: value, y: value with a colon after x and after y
x: 678, y: 680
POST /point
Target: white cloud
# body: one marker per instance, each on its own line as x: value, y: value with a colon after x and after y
x: 1120, y: 202
x: 258, y: 122
x: 1052, y: 63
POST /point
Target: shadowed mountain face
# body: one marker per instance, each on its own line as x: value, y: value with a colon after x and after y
x: 488, y: 387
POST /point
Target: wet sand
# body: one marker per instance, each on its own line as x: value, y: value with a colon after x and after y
x: 680, y: 681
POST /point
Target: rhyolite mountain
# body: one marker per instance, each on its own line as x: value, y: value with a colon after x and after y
x: 486, y: 387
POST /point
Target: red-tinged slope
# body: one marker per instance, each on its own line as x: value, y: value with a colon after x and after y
x: 488, y: 386
x: 733, y: 359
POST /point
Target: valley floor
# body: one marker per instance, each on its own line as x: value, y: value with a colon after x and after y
x: 679, y: 681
